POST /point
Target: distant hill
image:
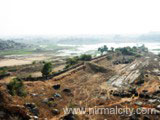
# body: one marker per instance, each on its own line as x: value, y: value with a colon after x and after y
x: 11, y: 45
x: 110, y: 38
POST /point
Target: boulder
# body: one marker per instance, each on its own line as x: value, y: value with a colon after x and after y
x: 152, y: 101
x: 30, y: 105
x: 139, y: 103
x: 56, y: 87
x: 55, y: 112
x: 66, y: 90
x: 32, y: 108
x: 158, y: 107
x: 69, y: 117
x: 45, y: 100
x: 57, y: 95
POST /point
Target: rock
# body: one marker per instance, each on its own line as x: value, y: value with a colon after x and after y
x: 67, y: 90
x: 146, y: 75
x: 132, y: 90
x: 69, y: 117
x: 32, y: 108
x: 145, y: 91
x: 152, y: 100
x: 156, y: 92
x: 34, y: 94
x: 146, y: 118
x: 158, y: 107
x: 51, y: 104
x: 122, y: 94
x: 34, y: 117
x: 138, y: 103
x: 30, y: 105
x: 51, y: 99
x: 45, y: 100
x: 55, y: 112
x: 57, y: 95
x: 35, y: 111
x: 139, y: 82
x: 56, y: 87
x: 144, y: 95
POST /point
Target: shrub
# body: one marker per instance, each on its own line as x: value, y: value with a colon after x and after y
x: 138, y: 55
x: 16, y: 87
x: 125, y: 51
x: 34, y: 62
x: 47, y: 69
x: 3, y: 71
x: 72, y: 61
x: 85, y: 57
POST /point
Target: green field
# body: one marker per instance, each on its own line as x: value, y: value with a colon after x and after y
x: 15, y: 52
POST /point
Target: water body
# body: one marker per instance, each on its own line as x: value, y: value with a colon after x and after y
x: 79, y: 49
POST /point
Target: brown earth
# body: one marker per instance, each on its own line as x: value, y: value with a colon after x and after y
x: 94, y: 89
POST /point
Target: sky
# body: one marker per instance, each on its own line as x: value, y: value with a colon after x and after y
x: 76, y: 17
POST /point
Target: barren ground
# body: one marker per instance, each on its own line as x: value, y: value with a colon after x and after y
x: 92, y: 89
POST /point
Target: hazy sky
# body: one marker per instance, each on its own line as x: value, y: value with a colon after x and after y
x: 72, y: 17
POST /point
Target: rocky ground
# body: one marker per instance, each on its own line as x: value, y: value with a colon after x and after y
x: 97, y: 84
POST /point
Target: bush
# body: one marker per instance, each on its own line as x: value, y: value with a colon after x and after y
x: 125, y: 51
x: 138, y: 55
x: 85, y: 57
x: 34, y: 62
x: 3, y: 71
x: 72, y: 61
x: 16, y: 87
x: 47, y: 69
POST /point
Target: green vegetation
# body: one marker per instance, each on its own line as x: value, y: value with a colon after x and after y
x: 112, y: 49
x: 103, y: 49
x: 15, y: 52
x: 34, y: 62
x: 16, y: 87
x: 85, y: 57
x: 3, y: 71
x: 72, y: 61
x: 132, y: 51
x: 126, y: 51
x: 47, y: 69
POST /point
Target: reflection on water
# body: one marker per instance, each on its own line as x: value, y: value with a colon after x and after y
x: 79, y: 49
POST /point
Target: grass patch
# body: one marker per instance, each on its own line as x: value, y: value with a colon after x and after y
x: 15, y: 52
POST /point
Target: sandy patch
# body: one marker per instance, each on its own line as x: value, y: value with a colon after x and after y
x: 21, y: 61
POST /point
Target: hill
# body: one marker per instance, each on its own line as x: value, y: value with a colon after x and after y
x: 11, y: 45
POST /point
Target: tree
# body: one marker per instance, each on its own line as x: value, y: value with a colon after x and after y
x: 112, y: 49
x: 47, y: 69
x: 105, y: 48
x: 101, y: 50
